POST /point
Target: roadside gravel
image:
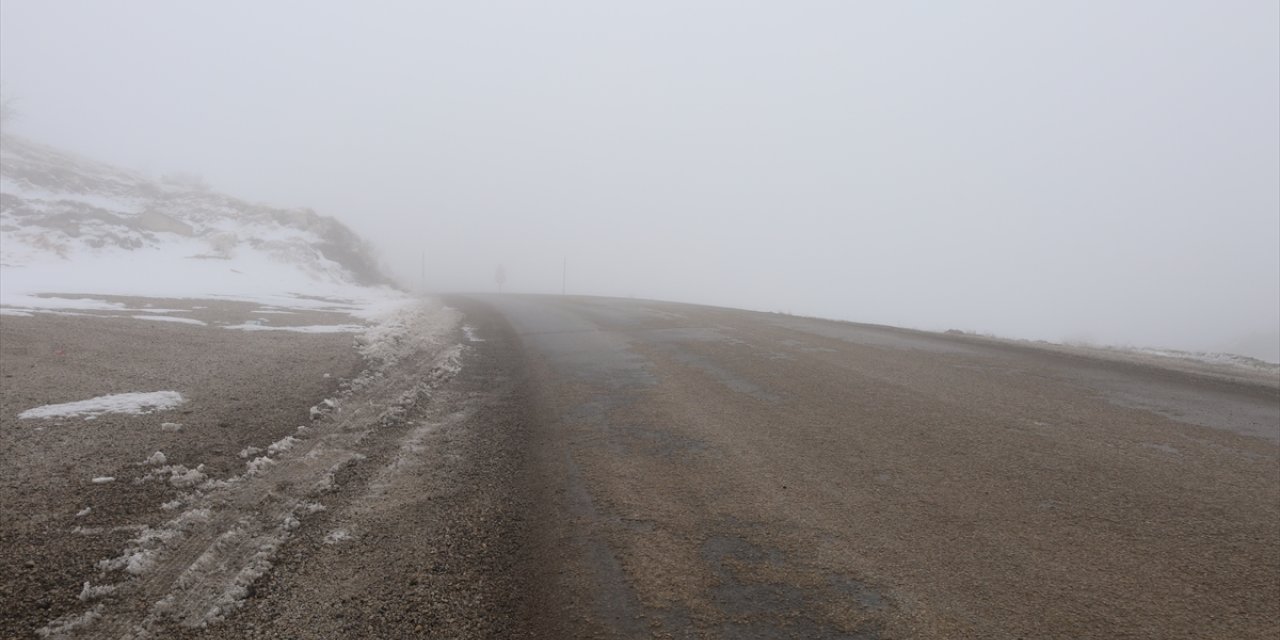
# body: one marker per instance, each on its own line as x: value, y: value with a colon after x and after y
x: 242, y: 389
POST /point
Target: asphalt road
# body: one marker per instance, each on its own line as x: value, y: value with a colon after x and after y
x: 702, y: 472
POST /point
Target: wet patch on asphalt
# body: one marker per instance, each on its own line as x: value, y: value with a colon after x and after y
x: 764, y: 609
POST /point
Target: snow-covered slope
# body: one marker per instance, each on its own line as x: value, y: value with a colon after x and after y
x: 69, y: 225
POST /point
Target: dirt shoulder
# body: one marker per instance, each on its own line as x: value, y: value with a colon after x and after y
x: 425, y: 537
x: 242, y: 389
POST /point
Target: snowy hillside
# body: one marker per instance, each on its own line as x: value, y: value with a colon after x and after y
x: 69, y: 225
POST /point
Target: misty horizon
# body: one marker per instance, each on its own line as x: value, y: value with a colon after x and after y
x: 1079, y: 172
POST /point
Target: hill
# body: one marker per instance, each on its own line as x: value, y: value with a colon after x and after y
x: 70, y: 225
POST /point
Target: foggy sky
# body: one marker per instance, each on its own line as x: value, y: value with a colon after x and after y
x: 1107, y: 171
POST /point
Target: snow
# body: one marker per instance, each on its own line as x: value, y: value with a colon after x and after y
x: 170, y: 426
x: 65, y: 625
x: 280, y: 446
x: 1230, y: 359
x: 336, y: 536
x: 316, y: 328
x: 171, y: 319
x: 173, y: 270
x: 74, y: 229
x: 10, y: 296
x: 180, y: 476
x: 471, y: 333
x: 258, y: 465
x: 325, y: 406
x: 89, y: 592
x: 143, y: 552
x: 84, y: 512
x: 157, y: 458
x: 130, y: 403
x: 103, y: 480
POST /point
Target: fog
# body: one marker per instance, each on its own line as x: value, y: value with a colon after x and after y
x: 1095, y: 171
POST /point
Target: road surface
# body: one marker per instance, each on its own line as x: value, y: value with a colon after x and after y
x: 703, y: 472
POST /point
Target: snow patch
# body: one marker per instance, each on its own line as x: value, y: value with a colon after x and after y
x: 89, y: 592
x: 27, y: 302
x: 336, y: 536
x: 326, y: 406
x: 214, y: 484
x: 258, y: 465
x: 172, y: 319
x: 1228, y: 359
x: 315, y: 328
x: 130, y: 403
x: 280, y: 446
x: 179, y: 475
x: 156, y: 458
x: 145, y: 549
x: 64, y: 625
x: 103, y: 480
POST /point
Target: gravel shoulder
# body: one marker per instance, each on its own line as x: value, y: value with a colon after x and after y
x: 277, y: 426
x: 243, y: 389
x: 429, y: 535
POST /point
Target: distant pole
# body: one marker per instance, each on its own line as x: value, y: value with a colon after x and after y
x: 564, y: 273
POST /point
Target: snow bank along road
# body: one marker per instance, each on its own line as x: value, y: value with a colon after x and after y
x: 579, y: 467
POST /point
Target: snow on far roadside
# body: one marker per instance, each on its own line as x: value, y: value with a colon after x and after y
x: 1205, y: 357
x: 11, y: 296
x: 133, y: 403
x: 172, y: 319
x: 312, y: 328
